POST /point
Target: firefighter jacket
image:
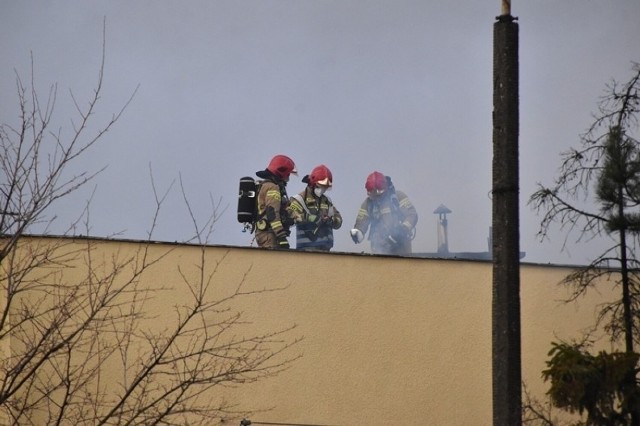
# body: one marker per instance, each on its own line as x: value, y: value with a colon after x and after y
x: 315, y: 219
x: 273, y: 221
x: 391, y: 220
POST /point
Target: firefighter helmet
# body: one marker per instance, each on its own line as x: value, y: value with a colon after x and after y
x: 282, y: 166
x: 321, y: 175
x: 376, y: 182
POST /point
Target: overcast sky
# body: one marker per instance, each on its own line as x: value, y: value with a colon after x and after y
x: 402, y: 87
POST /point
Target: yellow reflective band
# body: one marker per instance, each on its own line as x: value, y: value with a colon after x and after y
x: 273, y: 193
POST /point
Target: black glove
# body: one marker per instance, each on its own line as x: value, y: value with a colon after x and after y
x: 399, y: 233
x: 326, y: 221
x: 315, y: 219
x: 287, y: 221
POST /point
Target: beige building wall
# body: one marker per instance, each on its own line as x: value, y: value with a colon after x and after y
x: 385, y: 341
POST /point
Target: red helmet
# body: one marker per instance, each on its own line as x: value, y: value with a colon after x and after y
x: 321, y: 175
x: 282, y: 166
x: 376, y: 181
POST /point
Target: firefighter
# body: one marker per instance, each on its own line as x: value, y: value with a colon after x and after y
x: 313, y: 212
x: 273, y: 221
x: 388, y: 215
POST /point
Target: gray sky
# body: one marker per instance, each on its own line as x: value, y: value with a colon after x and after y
x: 403, y: 87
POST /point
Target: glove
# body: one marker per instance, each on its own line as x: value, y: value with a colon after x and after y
x: 399, y: 233
x: 287, y: 221
x: 314, y: 218
x: 357, y: 236
x: 327, y: 221
x: 393, y: 242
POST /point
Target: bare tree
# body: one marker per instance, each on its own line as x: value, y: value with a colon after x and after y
x: 603, y: 172
x: 73, y: 312
x: 586, y: 174
x: 537, y: 413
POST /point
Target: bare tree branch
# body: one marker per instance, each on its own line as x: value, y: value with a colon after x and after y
x: 84, y: 347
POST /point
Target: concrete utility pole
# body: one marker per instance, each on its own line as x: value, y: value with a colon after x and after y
x: 507, y: 387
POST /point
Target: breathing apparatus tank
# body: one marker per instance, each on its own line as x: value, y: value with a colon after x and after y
x: 247, y: 200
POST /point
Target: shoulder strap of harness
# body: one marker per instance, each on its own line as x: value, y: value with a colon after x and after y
x: 299, y: 198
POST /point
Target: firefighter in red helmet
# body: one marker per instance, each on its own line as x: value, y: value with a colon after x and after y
x: 388, y: 215
x: 273, y: 221
x: 313, y: 212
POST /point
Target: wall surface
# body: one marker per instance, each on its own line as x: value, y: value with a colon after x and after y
x: 385, y: 340
x: 391, y: 341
